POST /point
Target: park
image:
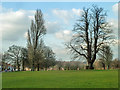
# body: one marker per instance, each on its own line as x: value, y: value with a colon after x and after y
x: 84, y: 55
x: 61, y: 79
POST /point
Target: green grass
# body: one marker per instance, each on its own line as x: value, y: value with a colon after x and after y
x: 61, y: 79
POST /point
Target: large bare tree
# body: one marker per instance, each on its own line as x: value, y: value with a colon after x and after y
x: 35, y: 33
x: 90, y: 32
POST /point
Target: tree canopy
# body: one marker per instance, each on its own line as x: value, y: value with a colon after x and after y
x: 91, y: 32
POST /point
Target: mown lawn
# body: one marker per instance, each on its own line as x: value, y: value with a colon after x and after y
x: 61, y: 79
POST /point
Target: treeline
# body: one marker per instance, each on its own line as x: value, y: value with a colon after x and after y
x: 91, y: 39
x: 17, y: 56
x: 36, y: 55
x: 113, y: 64
x: 77, y: 65
x: 70, y: 65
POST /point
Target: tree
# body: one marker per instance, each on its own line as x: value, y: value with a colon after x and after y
x: 24, y: 57
x: 67, y: 66
x: 106, y: 54
x: 49, y: 57
x: 59, y: 64
x: 4, y: 57
x: 115, y: 63
x: 90, y: 32
x: 13, y: 56
x: 75, y: 65
x: 35, y: 33
x: 40, y: 57
x: 101, y: 63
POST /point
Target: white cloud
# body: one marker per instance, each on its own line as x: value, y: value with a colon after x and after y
x: 26, y: 35
x: 60, y: 51
x: 62, y: 54
x: 77, y: 11
x: 14, y: 23
x: 114, y: 26
x: 52, y: 27
x: 58, y: 46
x: 59, y: 35
x: 63, y: 14
x: 64, y: 35
x: 67, y: 15
x: 115, y: 42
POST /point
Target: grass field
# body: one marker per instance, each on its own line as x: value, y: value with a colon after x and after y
x: 61, y: 79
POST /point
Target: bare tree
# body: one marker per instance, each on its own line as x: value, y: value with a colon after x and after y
x: 107, y: 55
x: 35, y: 33
x: 49, y: 57
x: 40, y: 54
x: 90, y: 33
x: 24, y: 57
x: 13, y: 56
x: 115, y: 63
x: 101, y: 62
x: 59, y: 64
x: 67, y: 66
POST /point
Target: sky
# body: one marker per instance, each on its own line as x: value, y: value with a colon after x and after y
x: 59, y: 17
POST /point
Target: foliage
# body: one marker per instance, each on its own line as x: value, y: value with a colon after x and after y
x: 35, y: 34
x: 13, y: 56
x: 16, y: 56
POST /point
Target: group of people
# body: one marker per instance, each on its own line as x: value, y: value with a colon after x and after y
x: 8, y: 69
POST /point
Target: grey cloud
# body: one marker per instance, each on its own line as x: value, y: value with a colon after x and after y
x: 14, y: 24
x: 52, y: 27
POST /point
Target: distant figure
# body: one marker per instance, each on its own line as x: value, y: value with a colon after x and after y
x: 0, y: 68
x: 78, y: 68
x: 62, y: 69
x: 5, y: 70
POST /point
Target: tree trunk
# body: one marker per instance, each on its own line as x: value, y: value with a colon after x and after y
x: 68, y: 68
x: 23, y: 65
x: 33, y: 67
x: 90, y: 66
x: 14, y: 68
x: 103, y: 65
x: 38, y: 68
x: 108, y: 67
x: 18, y: 67
x: 2, y: 68
x: 59, y: 68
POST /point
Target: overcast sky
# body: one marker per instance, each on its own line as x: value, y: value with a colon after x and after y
x: 59, y: 21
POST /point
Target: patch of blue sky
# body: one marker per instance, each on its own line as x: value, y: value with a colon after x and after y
x: 46, y: 7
